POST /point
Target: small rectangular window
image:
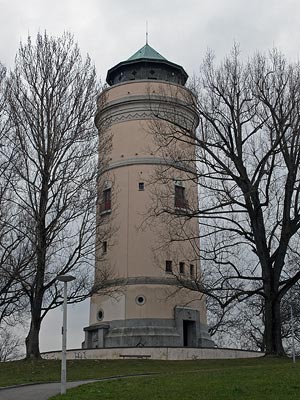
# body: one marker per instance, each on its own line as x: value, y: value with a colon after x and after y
x: 141, y: 186
x: 181, y: 267
x: 192, y: 270
x: 104, y: 247
x: 180, y: 201
x: 168, y: 266
x: 106, y: 200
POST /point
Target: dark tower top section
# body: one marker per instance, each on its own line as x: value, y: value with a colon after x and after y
x: 146, y: 63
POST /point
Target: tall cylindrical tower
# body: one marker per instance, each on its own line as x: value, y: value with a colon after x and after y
x: 145, y: 309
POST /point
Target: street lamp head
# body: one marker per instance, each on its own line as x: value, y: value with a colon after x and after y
x: 65, y: 278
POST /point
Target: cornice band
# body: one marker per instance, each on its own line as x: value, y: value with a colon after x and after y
x: 148, y: 161
x: 146, y: 280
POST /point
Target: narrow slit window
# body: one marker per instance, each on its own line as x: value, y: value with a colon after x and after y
x: 181, y: 267
x: 104, y: 247
x: 169, y: 266
x: 141, y: 186
x: 180, y: 200
x: 192, y: 270
x: 106, y: 200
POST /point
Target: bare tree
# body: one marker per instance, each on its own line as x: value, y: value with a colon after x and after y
x: 51, y: 103
x: 13, y: 257
x: 247, y: 156
x: 239, y: 325
x: 10, y: 345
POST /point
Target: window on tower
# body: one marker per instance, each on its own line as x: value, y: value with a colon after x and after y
x: 152, y: 74
x: 181, y: 267
x: 100, y: 315
x: 133, y: 74
x: 106, y: 200
x: 192, y: 270
x: 180, y: 200
x: 169, y: 266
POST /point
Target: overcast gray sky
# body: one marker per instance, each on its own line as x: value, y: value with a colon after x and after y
x: 182, y: 31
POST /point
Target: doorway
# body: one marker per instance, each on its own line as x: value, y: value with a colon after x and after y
x: 189, y: 333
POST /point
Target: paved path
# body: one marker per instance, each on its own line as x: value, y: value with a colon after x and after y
x: 43, y: 391
x: 36, y: 392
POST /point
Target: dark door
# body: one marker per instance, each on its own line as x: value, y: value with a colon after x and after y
x: 189, y: 331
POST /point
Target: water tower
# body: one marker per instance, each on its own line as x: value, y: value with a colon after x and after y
x: 146, y: 309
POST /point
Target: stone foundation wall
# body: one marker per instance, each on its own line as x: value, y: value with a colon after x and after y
x: 154, y: 353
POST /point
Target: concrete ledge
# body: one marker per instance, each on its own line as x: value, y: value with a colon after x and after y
x: 155, y: 353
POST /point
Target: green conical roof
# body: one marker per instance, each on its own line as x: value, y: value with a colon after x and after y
x: 144, y: 62
x: 147, y: 52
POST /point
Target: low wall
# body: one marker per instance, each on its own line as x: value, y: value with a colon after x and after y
x: 155, y: 353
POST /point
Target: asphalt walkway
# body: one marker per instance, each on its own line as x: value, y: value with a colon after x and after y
x: 42, y: 391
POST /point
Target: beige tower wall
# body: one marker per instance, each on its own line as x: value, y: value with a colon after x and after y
x: 138, y: 249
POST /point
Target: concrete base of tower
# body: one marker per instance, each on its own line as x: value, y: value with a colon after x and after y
x: 183, y: 331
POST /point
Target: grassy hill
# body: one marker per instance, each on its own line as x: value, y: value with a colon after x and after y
x: 253, y: 379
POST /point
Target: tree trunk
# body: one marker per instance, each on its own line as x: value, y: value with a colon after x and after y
x: 273, y: 341
x: 32, y: 340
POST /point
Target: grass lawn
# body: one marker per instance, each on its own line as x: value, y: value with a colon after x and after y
x: 260, y: 379
x: 17, y: 372
x: 204, y: 379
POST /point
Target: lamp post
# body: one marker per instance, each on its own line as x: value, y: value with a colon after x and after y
x: 293, y: 335
x: 65, y: 279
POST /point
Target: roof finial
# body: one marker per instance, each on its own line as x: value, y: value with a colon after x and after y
x: 147, y: 32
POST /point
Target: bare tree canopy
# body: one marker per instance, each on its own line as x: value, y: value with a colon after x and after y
x: 50, y: 104
x: 10, y: 345
x: 11, y: 261
x: 247, y: 155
